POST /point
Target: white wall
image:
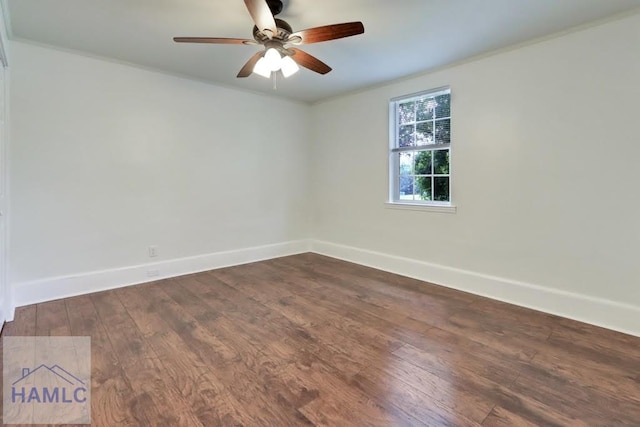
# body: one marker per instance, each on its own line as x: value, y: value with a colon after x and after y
x: 546, y: 150
x: 107, y: 159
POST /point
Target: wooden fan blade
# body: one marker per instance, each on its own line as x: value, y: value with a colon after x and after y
x: 328, y: 32
x: 214, y: 40
x: 262, y: 16
x: 248, y: 67
x: 310, y: 62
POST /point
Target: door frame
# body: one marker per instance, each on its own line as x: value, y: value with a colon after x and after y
x: 6, y: 300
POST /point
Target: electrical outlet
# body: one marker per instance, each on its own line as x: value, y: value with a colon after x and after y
x: 153, y: 273
x: 153, y: 251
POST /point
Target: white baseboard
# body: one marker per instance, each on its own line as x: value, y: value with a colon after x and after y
x: 601, y: 312
x: 49, y: 289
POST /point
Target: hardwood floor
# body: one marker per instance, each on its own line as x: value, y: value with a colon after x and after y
x: 310, y: 340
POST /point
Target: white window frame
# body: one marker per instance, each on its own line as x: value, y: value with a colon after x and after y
x: 394, y: 200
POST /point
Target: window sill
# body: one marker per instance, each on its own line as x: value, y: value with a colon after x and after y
x: 421, y: 207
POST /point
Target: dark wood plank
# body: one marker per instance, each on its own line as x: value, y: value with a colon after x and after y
x: 110, y: 392
x: 447, y: 354
x: 246, y: 375
x: 310, y: 340
x: 23, y: 324
x: 424, y: 395
x: 429, y: 311
x: 317, y: 293
x: 196, y: 378
x: 282, y: 339
x: 52, y: 319
x: 338, y: 403
x: 539, y: 416
x: 573, y: 398
x: 155, y: 396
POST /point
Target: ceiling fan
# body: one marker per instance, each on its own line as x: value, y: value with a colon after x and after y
x: 279, y: 40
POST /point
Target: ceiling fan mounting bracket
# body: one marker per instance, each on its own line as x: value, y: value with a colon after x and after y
x: 276, y: 6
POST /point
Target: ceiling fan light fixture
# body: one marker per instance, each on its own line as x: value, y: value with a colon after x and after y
x: 289, y: 67
x: 277, y: 36
x: 273, y: 59
x: 262, y: 68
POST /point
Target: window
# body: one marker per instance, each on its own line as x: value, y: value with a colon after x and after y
x: 419, y: 157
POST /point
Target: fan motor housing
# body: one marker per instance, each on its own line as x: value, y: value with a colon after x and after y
x: 284, y: 30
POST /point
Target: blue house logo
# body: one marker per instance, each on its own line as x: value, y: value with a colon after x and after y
x: 48, y: 384
x: 46, y: 380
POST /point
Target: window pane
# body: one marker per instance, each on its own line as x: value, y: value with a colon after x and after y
x: 407, y: 136
x: 423, y: 163
x: 406, y: 188
x: 441, y: 162
x: 406, y: 163
x: 420, y: 152
x: 443, y: 131
x: 424, y: 133
x: 423, y: 187
x: 425, y: 109
x: 441, y: 189
x: 443, y: 107
x: 407, y: 112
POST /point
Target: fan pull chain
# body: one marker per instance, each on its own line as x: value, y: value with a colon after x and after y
x: 275, y: 80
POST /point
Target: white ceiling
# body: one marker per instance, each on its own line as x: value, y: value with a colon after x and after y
x: 402, y: 37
